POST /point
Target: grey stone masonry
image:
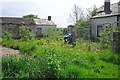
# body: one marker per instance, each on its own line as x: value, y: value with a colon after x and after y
x: 116, y: 42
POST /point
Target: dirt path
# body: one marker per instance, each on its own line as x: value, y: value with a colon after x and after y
x: 7, y: 51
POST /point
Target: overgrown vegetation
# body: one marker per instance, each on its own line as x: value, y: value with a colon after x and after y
x: 54, y: 59
x: 83, y: 24
x: 31, y: 17
x: 25, y: 34
x: 49, y: 57
x: 0, y: 40
x: 106, y: 36
x: 49, y: 63
x: 7, y: 36
x: 54, y: 33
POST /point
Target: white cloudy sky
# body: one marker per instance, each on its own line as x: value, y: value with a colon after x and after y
x: 58, y: 9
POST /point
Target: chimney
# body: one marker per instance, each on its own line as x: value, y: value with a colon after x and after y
x: 107, y: 7
x: 49, y: 18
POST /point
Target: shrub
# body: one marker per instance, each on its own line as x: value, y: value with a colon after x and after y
x: 7, y: 39
x: 25, y: 34
x: 0, y: 40
x: 54, y: 33
x: 15, y: 44
x: 52, y: 63
x: 106, y: 36
x: 41, y: 41
x: 7, y: 36
x: 27, y: 47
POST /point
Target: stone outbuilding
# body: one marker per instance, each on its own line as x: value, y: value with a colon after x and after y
x: 43, y: 25
x: 12, y: 24
x: 108, y: 13
x: 38, y: 27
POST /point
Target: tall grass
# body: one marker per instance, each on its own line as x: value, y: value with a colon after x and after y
x: 47, y: 58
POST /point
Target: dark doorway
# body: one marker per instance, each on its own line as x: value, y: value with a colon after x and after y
x: 39, y: 32
x: 99, y: 28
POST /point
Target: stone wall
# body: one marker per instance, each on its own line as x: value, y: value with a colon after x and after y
x: 11, y: 28
x: 99, y: 22
x: 44, y: 29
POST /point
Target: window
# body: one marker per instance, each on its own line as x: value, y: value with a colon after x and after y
x: 99, y: 28
x: 39, y: 32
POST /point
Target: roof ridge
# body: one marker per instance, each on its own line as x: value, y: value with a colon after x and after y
x: 110, y: 4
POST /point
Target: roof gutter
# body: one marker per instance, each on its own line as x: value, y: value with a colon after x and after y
x: 105, y: 16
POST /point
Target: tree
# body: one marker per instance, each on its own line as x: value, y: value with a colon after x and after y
x: 83, y: 24
x: 76, y: 14
x: 31, y: 16
x: 91, y: 12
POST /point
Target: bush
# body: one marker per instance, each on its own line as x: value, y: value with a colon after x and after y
x: 0, y: 40
x: 7, y: 36
x: 15, y: 44
x: 41, y: 41
x: 27, y: 47
x: 51, y: 61
x: 25, y: 34
x: 54, y: 33
x: 106, y: 36
x: 7, y: 39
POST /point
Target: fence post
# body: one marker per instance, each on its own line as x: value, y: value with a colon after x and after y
x: 116, y: 42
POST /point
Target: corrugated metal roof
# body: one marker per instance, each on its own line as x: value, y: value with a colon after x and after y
x: 44, y: 22
x: 114, y: 8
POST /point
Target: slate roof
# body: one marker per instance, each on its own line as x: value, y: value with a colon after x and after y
x: 15, y: 20
x: 115, y: 8
x: 44, y: 22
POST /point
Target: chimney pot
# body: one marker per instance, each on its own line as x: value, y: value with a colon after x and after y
x: 49, y: 18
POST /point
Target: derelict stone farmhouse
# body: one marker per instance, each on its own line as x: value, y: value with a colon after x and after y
x: 108, y: 13
x: 39, y: 27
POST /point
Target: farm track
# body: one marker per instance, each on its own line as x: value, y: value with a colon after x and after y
x: 7, y: 51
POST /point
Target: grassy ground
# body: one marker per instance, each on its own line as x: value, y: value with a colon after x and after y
x: 47, y: 58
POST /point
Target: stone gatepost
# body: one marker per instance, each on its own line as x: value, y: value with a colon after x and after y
x: 116, y: 42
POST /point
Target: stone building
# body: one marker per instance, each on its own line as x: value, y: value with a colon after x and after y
x: 108, y: 13
x: 12, y: 24
x: 38, y: 27
x: 43, y: 25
